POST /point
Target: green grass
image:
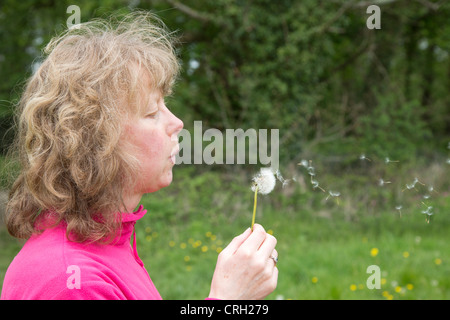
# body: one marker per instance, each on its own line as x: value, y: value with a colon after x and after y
x: 324, y: 248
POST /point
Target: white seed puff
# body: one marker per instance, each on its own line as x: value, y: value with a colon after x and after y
x: 264, y: 180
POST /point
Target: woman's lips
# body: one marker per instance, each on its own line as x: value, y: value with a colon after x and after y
x: 174, y: 152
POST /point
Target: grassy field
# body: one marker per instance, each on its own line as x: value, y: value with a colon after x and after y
x: 325, y: 246
x: 320, y: 258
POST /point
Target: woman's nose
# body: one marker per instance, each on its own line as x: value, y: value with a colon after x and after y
x: 175, y: 124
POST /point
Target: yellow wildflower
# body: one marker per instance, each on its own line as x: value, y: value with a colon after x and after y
x: 374, y: 252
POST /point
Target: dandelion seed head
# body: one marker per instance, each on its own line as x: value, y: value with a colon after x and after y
x: 264, y: 180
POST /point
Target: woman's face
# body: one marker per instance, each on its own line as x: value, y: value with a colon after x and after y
x: 153, y: 137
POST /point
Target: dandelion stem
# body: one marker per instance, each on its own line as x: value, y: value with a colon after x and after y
x: 254, y: 206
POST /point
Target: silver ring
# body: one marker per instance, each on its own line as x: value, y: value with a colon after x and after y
x: 275, y: 259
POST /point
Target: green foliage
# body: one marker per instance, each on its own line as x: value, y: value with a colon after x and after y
x: 311, y: 69
x: 393, y: 129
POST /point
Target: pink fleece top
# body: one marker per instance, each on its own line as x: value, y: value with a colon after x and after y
x: 49, y: 266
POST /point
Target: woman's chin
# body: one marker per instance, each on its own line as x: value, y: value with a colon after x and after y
x: 163, y: 182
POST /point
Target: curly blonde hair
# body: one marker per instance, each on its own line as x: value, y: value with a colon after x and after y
x: 70, y: 120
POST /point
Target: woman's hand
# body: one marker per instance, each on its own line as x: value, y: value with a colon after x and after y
x: 245, y: 269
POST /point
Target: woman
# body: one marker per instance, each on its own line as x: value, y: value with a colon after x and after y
x: 94, y: 136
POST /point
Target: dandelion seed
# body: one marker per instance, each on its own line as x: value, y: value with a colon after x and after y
x: 311, y: 171
x: 315, y: 185
x: 387, y: 160
x: 381, y: 182
x: 428, y: 212
x: 431, y: 189
x: 363, y: 157
x: 280, y: 178
x: 412, y: 185
x: 303, y: 163
x: 417, y: 181
x: 409, y: 186
x: 399, y: 209
x: 334, y: 195
x: 447, y: 161
x: 263, y: 183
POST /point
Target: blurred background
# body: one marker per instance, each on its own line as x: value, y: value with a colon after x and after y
x: 368, y: 109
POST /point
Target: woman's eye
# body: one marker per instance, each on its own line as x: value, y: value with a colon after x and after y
x: 152, y: 114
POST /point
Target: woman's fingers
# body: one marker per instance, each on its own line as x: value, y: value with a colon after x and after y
x: 255, y: 240
x: 268, y: 245
x: 245, y: 269
x: 237, y: 242
x: 274, y: 256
